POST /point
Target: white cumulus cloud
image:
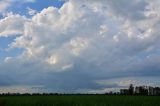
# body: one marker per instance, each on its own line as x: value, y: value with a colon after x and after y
x: 93, y: 39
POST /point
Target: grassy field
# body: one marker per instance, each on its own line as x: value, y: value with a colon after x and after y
x: 80, y: 100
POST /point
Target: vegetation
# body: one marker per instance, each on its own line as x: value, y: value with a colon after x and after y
x: 79, y: 100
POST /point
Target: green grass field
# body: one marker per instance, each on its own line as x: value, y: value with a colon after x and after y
x: 80, y: 100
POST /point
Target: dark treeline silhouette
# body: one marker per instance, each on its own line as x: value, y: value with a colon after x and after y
x: 138, y: 90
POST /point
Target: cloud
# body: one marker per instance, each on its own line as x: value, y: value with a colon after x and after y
x: 123, y: 8
x: 21, y: 89
x: 12, y: 25
x: 73, y: 47
x: 29, y: 0
x: 31, y: 11
x: 5, y: 4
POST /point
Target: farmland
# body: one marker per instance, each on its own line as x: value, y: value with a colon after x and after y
x: 79, y: 100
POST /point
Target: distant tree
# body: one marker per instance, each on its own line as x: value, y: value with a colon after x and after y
x: 131, y: 89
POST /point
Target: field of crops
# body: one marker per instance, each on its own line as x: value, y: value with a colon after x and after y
x: 80, y: 100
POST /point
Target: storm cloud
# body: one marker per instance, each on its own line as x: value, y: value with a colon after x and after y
x: 84, y: 43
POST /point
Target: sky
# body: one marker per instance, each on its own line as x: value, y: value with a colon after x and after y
x: 78, y: 46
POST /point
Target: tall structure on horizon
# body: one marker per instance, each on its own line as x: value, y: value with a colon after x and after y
x: 131, y: 89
